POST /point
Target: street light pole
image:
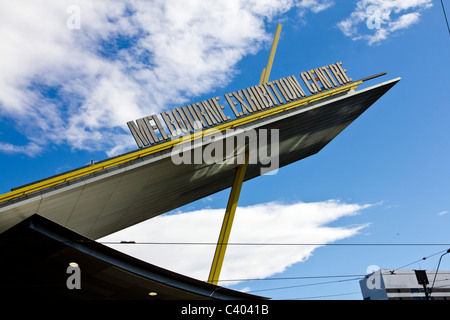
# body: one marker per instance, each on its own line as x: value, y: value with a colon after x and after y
x: 432, y: 286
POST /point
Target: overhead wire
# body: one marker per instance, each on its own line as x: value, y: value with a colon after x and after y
x: 353, y: 278
x: 305, y: 285
x: 293, y: 278
x: 414, y: 262
x: 132, y: 242
x: 272, y: 244
x: 327, y: 296
x: 445, y: 15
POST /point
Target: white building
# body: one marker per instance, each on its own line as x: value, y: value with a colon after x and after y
x: 386, y: 284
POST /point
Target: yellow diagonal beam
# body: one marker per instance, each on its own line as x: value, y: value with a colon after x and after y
x: 268, y: 69
x: 263, y: 74
x: 225, y: 231
x: 230, y: 211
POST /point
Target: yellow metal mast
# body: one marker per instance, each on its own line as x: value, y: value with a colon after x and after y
x: 227, y: 223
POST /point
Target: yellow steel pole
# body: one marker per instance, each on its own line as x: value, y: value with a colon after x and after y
x: 227, y: 223
x: 225, y: 231
x: 272, y: 54
x: 263, y: 74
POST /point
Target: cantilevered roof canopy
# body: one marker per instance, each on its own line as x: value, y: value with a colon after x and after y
x: 37, y: 252
x: 117, y: 193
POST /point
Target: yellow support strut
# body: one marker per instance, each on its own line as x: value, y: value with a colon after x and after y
x: 227, y: 223
x: 267, y: 70
x: 221, y: 247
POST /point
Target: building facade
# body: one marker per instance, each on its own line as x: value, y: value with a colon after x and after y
x: 386, y: 284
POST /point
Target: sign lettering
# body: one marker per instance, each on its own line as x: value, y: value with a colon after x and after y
x: 187, y: 119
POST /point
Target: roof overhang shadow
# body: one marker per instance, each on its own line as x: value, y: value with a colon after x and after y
x: 36, y: 253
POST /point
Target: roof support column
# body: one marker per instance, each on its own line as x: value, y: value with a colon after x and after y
x: 227, y: 223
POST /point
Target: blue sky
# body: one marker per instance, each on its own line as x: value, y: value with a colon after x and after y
x: 66, y: 92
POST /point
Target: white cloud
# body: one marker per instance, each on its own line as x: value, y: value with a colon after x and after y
x: 442, y: 213
x: 30, y: 149
x: 404, y: 21
x: 128, y: 59
x: 377, y: 20
x: 302, y: 223
x: 316, y: 5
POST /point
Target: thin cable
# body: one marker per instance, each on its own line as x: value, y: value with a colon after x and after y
x: 328, y: 296
x: 132, y: 242
x: 359, y: 276
x: 355, y: 276
x: 424, y: 258
x: 445, y: 15
x: 295, y: 278
x: 236, y: 243
x: 306, y: 285
x: 273, y: 244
